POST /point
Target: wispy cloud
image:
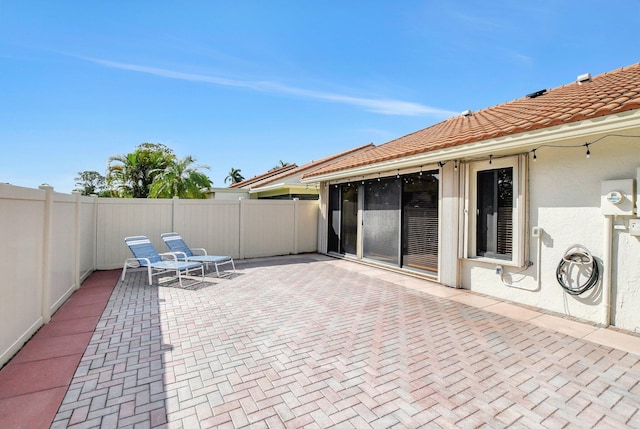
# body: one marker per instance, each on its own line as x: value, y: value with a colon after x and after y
x: 520, y: 58
x: 382, y: 106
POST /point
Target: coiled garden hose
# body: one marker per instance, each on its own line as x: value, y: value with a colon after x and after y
x: 577, y: 255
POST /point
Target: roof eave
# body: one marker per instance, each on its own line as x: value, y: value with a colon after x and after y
x: 277, y: 186
x: 617, y: 122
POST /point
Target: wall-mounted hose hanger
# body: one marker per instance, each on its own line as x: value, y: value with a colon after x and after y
x: 576, y: 264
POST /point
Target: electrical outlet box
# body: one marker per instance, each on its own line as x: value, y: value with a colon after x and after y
x: 618, y: 197
x: 499, y: 269
x: 536, y: 231
x: 634, y: 227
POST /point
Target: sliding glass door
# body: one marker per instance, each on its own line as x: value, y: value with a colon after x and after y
x: 399, y: 220
x: 420, y: 221
x: 349, y: 220
x: 381, y: 221
x: 343, y: 219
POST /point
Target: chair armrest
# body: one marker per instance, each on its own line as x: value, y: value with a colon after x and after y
x: 198, y: 249
x: 172, y: 256
x: 137, y: 261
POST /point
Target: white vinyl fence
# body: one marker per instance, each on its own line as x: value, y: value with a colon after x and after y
x: 50, y: 242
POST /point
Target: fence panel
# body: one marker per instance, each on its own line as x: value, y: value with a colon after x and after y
x: 21, y: 265
x: 62, y: 275
x: 209, y: 224
x: 88, y: 211
x: 267, y: 228
x: 119, y: 218
x: 307, y: 226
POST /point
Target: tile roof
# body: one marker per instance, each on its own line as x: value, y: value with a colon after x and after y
x: 276, y: 171
x: 273, y: 176
x: 613, y: 92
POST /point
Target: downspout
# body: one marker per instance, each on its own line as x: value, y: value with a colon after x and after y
x: 606, y: 270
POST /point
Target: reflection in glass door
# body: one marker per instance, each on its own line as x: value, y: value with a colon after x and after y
x: 333, y: 238
x: 343, y: 219
x: 349, y: 220
x: 420, y: 221
x: 381, y: 221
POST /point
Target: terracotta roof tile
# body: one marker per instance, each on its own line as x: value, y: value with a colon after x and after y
x: 292, y: 169
x: 605, y: 94
x: 270, y: 173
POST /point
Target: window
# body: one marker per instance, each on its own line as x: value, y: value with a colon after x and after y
x: 494, y: 224
x: 495, y: 215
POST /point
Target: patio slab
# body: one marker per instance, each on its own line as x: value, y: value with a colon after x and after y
x: 309, y: 341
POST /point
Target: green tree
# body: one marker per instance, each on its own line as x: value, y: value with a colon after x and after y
x: 180, y: 179
x: 90, y: 182
x: 234, y: 176
x: 131, y: 175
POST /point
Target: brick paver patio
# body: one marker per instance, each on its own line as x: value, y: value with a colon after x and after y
x: 309, y: 341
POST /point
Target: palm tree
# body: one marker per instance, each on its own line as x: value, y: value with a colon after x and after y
x: 180, y: 179
x: 234, y: 176
x: 131, y: 175
x: 280, y: 165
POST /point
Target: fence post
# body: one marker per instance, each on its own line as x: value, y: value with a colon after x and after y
x: 95, y: 231
x: 76, y: 250
x: 176, y: 200
x: 47, y: 252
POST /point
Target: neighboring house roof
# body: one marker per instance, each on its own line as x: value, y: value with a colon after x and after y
x: 292, y: 173
x: 311, y: 166
x: 247, y: 182
x: 609, y: 93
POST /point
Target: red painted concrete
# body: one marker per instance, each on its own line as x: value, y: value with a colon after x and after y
x: 34, y: 382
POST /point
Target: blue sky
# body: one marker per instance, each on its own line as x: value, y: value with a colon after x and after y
x: 246, y: 84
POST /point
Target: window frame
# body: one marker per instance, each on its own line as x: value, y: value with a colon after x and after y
x: 519, y: 164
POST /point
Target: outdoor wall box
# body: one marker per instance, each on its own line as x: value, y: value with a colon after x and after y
x: 618, y: 197
x: 634, y: 227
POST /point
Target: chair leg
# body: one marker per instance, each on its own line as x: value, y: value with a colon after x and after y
x: 232, y: 264
x: 124, y: 271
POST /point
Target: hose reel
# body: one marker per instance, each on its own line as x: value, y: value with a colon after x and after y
x: 577, y: 256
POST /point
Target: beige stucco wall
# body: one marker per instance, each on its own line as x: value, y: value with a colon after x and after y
x: 564, y: 200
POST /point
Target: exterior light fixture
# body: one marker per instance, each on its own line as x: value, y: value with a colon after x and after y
x: 588, y: 151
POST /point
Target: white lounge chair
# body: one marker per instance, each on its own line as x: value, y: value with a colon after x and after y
x: 145, y: 255
x: 176, y: 244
